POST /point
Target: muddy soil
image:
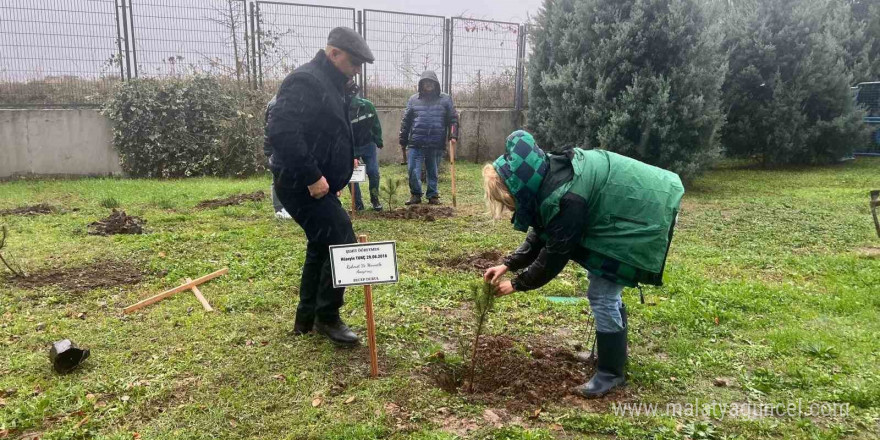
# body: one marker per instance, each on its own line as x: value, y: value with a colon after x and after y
x: 117, y: 223
x: 108, y: 273
x: 42, y: 208
x: 415, y: 212
x: 471, y: 263
x: 232, y: 200
x: 521, y: 375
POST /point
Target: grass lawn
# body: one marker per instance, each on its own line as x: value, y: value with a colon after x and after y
x: 772, y: 295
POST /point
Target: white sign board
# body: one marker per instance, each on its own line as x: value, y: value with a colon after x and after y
x: 358, y: 264
x: 359, y: 175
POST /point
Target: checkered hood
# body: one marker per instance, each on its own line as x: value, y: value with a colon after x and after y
x: 522, y: 168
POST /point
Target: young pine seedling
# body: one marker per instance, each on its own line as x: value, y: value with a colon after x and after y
x: 484, y: 300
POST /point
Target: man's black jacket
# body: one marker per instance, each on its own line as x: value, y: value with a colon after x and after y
x: 309, y: 128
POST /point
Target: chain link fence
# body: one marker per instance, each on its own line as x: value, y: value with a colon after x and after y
x: 58, y: 52
x: 68, y: 53
x: 485, y: 67
x: 174, y: 38
x: 405, y: 45
x: 867, y: 97
x: 288, y: 35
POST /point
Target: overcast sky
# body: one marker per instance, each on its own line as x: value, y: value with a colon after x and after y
x: 502, y: 10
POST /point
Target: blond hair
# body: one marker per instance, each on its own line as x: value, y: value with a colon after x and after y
x: 498, y: 197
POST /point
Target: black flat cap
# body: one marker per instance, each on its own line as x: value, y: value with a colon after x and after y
x: 350, y: 41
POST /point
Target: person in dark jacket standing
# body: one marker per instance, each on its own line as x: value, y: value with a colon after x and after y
x: 312, y: 161
x: 611, y: 214
x: 367, y: 139
x: 429, y: 121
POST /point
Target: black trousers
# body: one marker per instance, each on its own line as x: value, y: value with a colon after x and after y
x: 325, y: 223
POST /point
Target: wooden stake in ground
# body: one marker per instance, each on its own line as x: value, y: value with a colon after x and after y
x: 353, y: 207
x: 875, y: 203
x: 371, y: 325
x: 200, y: 297
x: 186, y: 286
x: 452, y: 168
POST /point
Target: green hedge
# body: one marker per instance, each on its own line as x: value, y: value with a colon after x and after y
x: 181, y: 127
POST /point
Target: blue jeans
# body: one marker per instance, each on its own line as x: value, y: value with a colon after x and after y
x: 605, y: 301
x: 414, y: 159
x: 369, y: 156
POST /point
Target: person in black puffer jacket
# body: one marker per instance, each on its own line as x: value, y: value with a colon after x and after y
x: 429, y: 121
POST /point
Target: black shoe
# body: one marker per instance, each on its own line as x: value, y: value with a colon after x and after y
x: 375, y: 202
x: 337, y: 332
x: 434, y: 201
x: 611, y: 354
x: 302, y: 326
x: 414, y: 200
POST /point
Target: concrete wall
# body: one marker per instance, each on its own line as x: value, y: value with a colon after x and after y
x: 494, y: 126
x: 80, y: 141
x: 56, y: 142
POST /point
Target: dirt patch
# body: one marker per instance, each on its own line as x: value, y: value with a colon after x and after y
x: 42, y: 208
x: 520, y: 375
x: 99, y: 274
x: 232, y: 200
x: 117, y: 223
x: 869, y: 252
x: 476, y: 262
x: 415, y: 212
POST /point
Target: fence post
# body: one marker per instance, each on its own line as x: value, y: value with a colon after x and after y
x: 364, y: 73
x: 451, y: 50
x: 520, y: 47
x: 445, y: 55
x: 125, y: 36
x: 253, y: 57
x: 479, y: 138
x: 119, y: 41
x: 360, y: 30
x: 133, y: 38
x: 259, y: 49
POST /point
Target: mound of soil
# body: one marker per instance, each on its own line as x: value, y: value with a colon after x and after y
x: 414, y: 212
x: 232, y: 200
x: 476, y: 262
x: 506, y: 374
x: 117, y: 223
x: 107, y: 273
x: 42, y: 208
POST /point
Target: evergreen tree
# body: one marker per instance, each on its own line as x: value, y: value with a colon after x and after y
x: 639, y: 77
x: 871, y: 20
x: 850, y: 24
x: 788, y: 89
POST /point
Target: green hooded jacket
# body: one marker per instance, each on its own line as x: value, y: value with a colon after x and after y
x: 632, y: 206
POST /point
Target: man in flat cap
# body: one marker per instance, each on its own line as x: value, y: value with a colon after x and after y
x: 312, y: 160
